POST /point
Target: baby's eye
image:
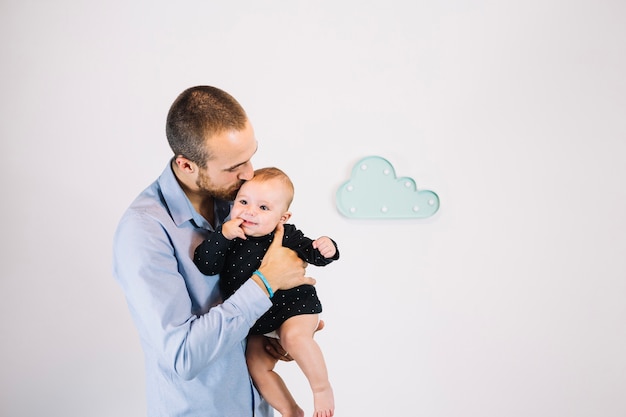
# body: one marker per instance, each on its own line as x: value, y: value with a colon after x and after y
x: 264, y: 208
x: 243, y: 202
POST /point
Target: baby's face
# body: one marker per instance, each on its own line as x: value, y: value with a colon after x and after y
x: 261, y: 205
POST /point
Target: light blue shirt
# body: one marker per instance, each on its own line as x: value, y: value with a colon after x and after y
x: 193, y: 343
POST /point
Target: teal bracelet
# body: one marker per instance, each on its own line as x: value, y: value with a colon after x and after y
x: 267, y: 284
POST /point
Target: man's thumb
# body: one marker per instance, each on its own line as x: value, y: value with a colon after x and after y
x: 278, y: 235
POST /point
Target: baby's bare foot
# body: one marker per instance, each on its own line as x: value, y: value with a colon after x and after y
x: 324, y: 402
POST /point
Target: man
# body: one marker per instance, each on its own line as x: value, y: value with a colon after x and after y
x: 194, y: 345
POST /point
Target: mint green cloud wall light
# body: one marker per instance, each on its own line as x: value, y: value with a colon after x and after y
x: 374, y: 192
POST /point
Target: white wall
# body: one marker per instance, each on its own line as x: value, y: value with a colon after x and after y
x: 510, y: 301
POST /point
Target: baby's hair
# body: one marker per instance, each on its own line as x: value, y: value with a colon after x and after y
x: 272, y: 173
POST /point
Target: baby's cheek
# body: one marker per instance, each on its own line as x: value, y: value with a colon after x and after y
x: 235, y: 212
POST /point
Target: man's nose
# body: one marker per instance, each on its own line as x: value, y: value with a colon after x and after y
x: 247, y: 171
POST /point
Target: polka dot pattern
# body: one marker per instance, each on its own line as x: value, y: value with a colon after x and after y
x: 235, y: 260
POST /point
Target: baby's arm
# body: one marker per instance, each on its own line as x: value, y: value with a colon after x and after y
x: 210, y: 255
x: 310, y: 250
x: 326, y: 246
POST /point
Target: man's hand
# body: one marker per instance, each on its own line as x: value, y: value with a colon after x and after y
x: 281, y: 266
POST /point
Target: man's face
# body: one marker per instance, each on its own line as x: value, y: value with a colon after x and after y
x: 230, y: 165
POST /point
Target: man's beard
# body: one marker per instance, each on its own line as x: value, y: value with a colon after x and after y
x: 205, y: 184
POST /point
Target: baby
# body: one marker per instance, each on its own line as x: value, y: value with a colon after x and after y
x: 235, y: 251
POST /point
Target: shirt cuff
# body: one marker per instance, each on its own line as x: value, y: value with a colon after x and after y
x: 251, y: 299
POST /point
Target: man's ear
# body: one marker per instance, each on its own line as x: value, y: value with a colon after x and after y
x: 286, y: 216
x: 185, y: 164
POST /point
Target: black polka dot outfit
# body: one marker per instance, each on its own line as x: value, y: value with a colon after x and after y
x: 235, y: 260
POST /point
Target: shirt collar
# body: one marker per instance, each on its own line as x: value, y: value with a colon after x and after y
x: 180, y: 207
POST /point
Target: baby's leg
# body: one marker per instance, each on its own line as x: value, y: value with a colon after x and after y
x: 296, y: 337
x: 268, y: 382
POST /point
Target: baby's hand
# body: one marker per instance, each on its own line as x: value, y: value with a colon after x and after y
x: 231, y: 229
x: 325, y: 246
